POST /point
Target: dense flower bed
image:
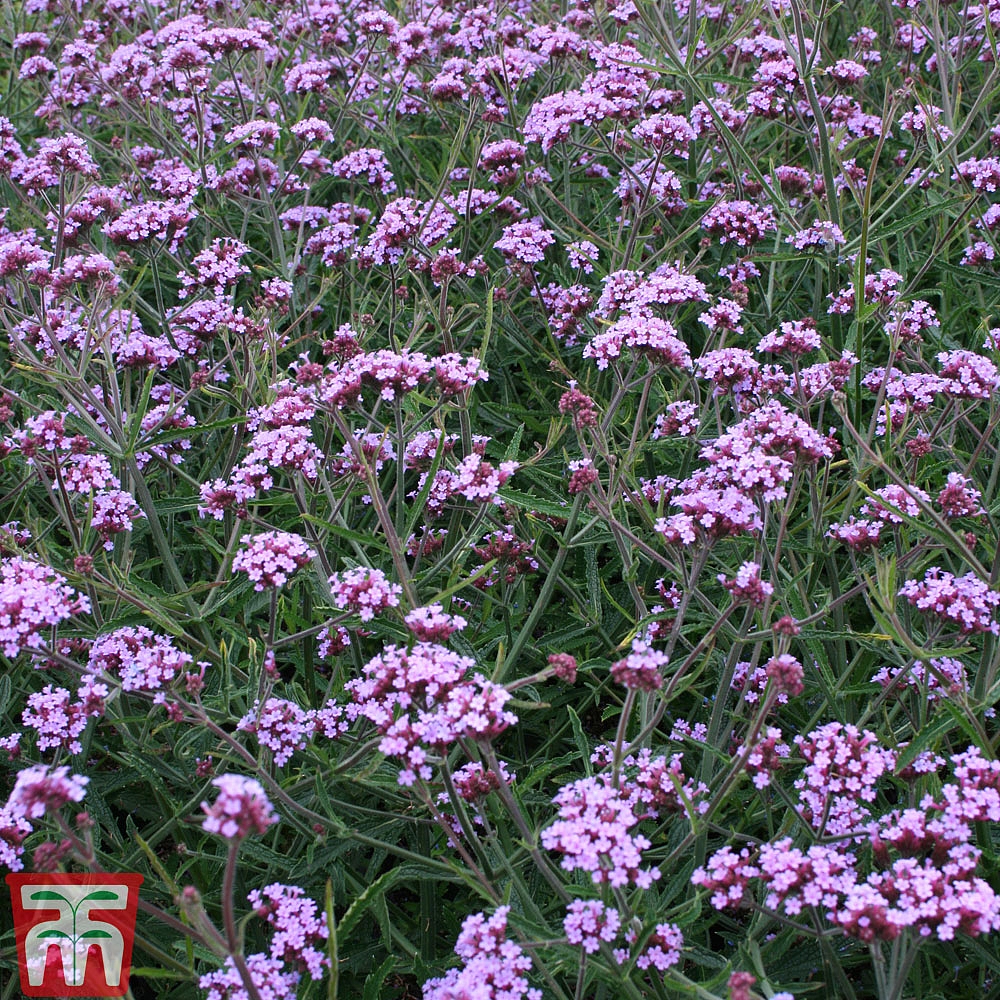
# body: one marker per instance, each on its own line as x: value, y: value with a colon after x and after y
x: 499, y: 498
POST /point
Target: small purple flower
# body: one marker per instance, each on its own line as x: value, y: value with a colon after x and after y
x: 241, y: 808
x: 271, y: 558
x: 964, y: 600
x: 589, y: 922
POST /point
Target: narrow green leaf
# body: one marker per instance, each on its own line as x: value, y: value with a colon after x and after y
x: 375, y: 980
x: 582, y: 743
x: 369, y: 898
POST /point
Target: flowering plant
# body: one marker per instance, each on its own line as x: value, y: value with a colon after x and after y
x: 499, y: 497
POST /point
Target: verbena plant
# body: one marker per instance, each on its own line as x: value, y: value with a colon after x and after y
x: 466, y: 531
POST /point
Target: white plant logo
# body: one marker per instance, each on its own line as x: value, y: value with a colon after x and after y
x: 74, y: 930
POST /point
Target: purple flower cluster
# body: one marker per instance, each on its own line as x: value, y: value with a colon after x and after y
x: 594, y: 833
x: 423, y: 700
x: 965, y: 600
x: 493, y: 968
x: 240, y: 808
x: 33, y: 599
x: 923, y: 861
x: 142, y: 659
x: 642, y: 669
x: 365, y: 591
x: 300, y: 932
x: 59, y: 721
x: 271, y: 558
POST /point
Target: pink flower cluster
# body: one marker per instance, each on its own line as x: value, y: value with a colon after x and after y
x: 33, y: 599
x: 240, y: 808
x: 300, y: 932
x: 642, y: 669
x: 493, y: 968
x: 966, y: 600
x: 432, y: 624
x: 923, y: 861
x: 280, y: 725
x: 589, y: 922
x: 271, y: 558
x: 143, y: 660
x: 747, y: 587
x: 594, y: 833
x: 422, y: 701
x: 37, y: 790
x: 365, y: 591
x: 59, y: 721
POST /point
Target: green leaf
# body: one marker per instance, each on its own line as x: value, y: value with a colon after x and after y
x: 4, y: 692
x: 526, y: 501
x: 925, y: 738
x: 95, y: 934
x: 369, y: 898
x: 375, y: 980
x: 582, y: 743
x: 48, y: 894
x: 52, y: 933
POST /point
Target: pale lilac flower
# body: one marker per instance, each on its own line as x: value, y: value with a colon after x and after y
x: 369, y: 164
x: 724, y: 315
x: 968, y: 375
x: 365, y: 591
x: 312, y: 130
x: 857, y: 534
x: 166, y: 221
x: 256, y: 134
x: 747, y: 587
x: 680, y: 418
x: 821, y: 234
x: 271, y: 558
x: 881, y: 288
x: 39, y: 789
x: 113, y: 512
x: 843, y: 768
x: 432, y: 624
x: 33, y: 599
x: 268, y: 974
x: 661, y: 950
x: 240, y: 808
x: 216, y: 268
x: 300, y: 928
x: 960, y: 498
x: 785, y: 674
x: 964, y: 600
x: 582, y: 254
x: 143, y: 660
x: 666, y: 133
x: 740, y: 222
x: 525, y: 241
x: 944, y: 677
x: 649, y: 336
x: 795, y: 338
x: 58, y: 721
x: 589, y: 922
x: 593, y: 834
x: 642, y: 669
x: 493, y: 967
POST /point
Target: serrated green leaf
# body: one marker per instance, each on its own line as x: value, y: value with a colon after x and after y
x: 375, y: 980
x: 369, y: 899
x: 582, y: 743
